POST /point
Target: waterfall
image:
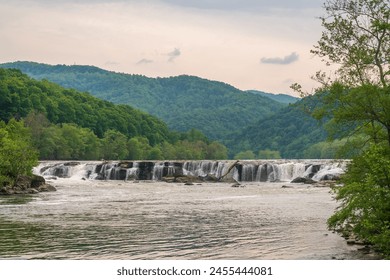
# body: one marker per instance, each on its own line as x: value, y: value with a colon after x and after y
x: 245, y: 171
x: 205, y: 168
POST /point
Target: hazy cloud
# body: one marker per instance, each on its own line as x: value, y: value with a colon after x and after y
x: 174, y: 54
x: 144, y: 61
x: 280, y: 60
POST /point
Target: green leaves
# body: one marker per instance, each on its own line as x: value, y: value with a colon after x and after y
x: 17, y: 155
x: 365, y: 199
x: 357, y: 39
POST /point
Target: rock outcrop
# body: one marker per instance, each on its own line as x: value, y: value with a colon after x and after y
x: 27, y: 185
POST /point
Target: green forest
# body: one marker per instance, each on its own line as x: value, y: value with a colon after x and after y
x: 183, y: 102
x: 67, y: 124
x: 249, y: 124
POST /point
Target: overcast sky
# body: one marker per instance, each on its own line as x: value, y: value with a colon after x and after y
x: 250, y: 44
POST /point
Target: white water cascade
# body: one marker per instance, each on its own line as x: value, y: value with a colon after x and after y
x: 243, y: 171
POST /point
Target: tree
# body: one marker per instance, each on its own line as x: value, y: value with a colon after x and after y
x: 245, y: 155
x: 138, y: 148
x: 216, y: 150
x: 114, y: 145
x: 365, y: 199
x: 17, y: 155
x: 356, y: 100
x: 269, y: 154
x: 357, y: 40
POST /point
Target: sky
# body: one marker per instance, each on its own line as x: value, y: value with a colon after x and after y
x: 251, y: 44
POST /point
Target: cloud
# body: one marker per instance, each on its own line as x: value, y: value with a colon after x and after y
x: 144, y: 61
x: 174, y: 54
x: 280, y: 60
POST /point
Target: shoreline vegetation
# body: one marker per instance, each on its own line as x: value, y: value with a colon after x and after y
x: 355, y: 102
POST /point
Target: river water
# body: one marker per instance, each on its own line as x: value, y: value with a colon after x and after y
x: 155, y: 220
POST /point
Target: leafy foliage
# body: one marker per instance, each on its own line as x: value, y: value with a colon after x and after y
x: 365, y: 197
x: 17, y: 155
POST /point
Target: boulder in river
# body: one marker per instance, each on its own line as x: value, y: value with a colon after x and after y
x: 27, y: 185
x: 303, y: 180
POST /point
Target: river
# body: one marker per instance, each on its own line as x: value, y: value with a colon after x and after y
x: 91, y: 219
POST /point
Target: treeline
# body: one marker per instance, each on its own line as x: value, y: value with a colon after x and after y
x: 67, y: 124
x: 262, y: 154
x: 70, y: 141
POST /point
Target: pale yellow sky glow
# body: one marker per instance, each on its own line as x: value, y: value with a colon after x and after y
x: 263, y: 45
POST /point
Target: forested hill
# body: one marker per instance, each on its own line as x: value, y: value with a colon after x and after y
x: 291, y: 132
x: 20, y: 95
x: 68, y: 124
x: 183, y: 102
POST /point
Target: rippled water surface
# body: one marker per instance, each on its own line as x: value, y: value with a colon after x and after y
x: 126, y: 220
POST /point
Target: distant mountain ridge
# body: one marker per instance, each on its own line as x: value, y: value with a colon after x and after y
x: 282, y: 98
x: 183, y: 102
x: 242, y: 120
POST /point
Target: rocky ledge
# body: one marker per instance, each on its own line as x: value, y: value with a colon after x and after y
x: 27, y: 185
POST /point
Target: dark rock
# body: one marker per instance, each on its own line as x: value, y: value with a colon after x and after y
x: 3, y: 191
x: 145, y: 170
x: 22, y: 183
x: 61, y: 171
x: 47, y: 188
x: 303, y: 180
x: 236, y: 185
x: 7, y: 191
x: 27, y: 185
x: 331, y: 177
x: 314, y: 169
x: 72, y: 163
x: 168, y: 179
x: 32, y: 191
x: 37, y: 181
x: 287, y: 187
x: 210, y: 178
x: 189, y: 184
